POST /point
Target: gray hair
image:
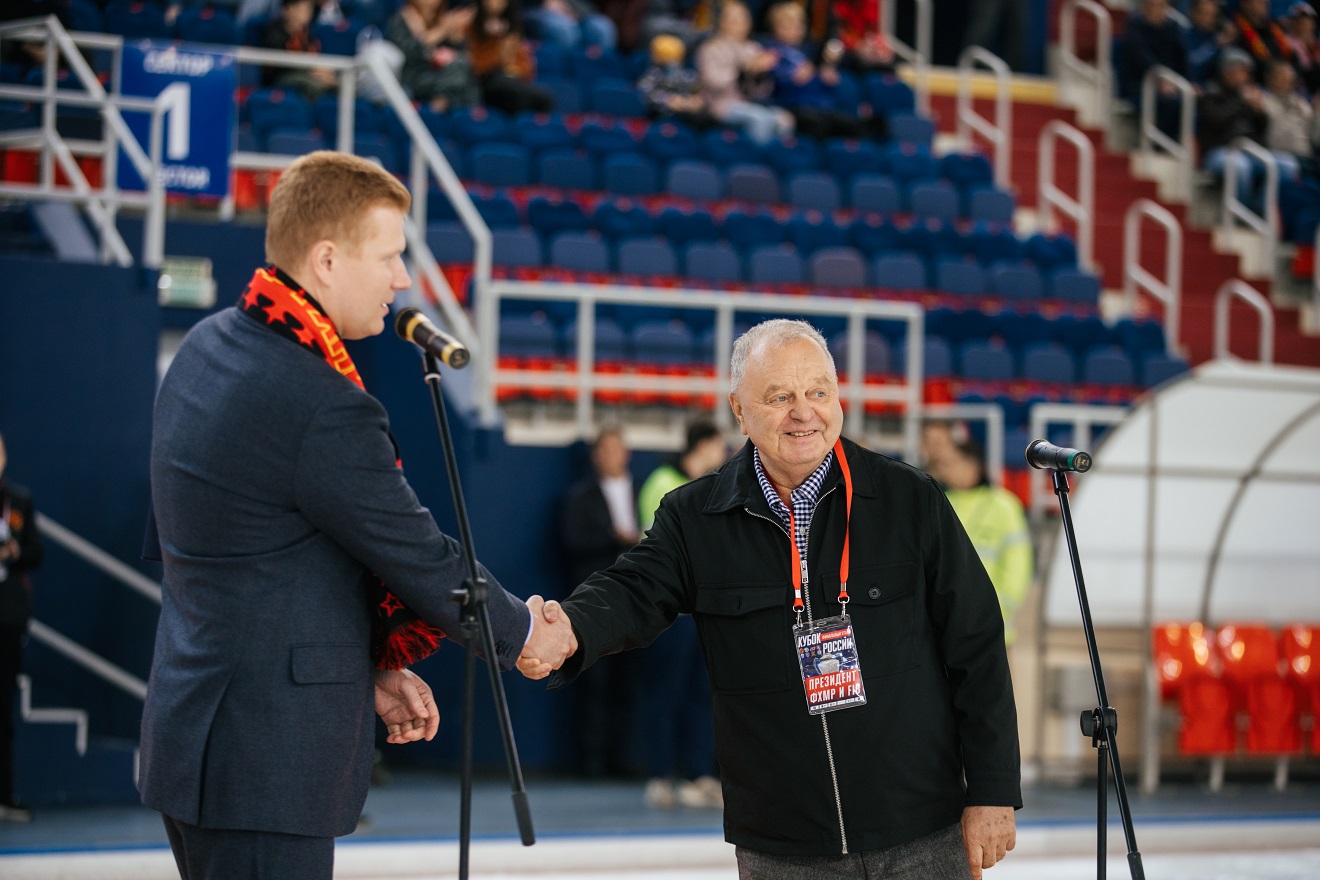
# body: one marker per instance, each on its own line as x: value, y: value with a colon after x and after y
x: 776, y: 332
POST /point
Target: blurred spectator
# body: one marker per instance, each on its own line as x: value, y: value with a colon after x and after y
x: 1233, y: 107
x: 671, y: 89
x: 1001, y: 26
x: 1207, y: 33
x: 629, y: 19
x: 437, y: 68
x: 571, y: 23
x: 997, y: 525
x: 502, y: 60
x: 1291, y: 116
x: 805, y: 90
x: 938, y: 438
x: 1259, y: 36
x: 857, y: 26
x: 1301, y: 29
x: 677, y: 18
x: 1152, y: 38
x: 327, y: 11
x: 737, y: 74
x: 291, y: 31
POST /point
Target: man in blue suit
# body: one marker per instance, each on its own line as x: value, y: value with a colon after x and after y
x: 301, y: 572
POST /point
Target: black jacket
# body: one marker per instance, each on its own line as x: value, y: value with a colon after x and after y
x: 587, y: 531
x: 15, y: 591
x: 1222, y: 115
x: 930, y: 640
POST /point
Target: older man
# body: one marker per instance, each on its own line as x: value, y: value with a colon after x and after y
x: 293, y: 547
x: 864, y: 716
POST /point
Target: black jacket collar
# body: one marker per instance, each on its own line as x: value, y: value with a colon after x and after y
x: 735, y: 484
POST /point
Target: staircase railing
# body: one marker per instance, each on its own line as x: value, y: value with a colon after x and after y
x: 1093, y: 107
x: 1151, y: 138
x: 101, y: 205
x: 917, y: 55
x: 1265, y: 222
x: 1136, y: 277
x: 1081, y: 208
x: 1238, y: 289
x: 999, y: 132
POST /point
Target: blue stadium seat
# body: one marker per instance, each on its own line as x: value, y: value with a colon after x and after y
x: 605, y: 138
x: 959, y: 276
x: 873, y: 192
x: 497, y: 210
x: 1050, y: 252
x: 775, y: 264
x: 667, y: 142
x: 1081, y: 334
x: 753, y: 183
x: 374, y: 145
x: 551, y: 216
x: 594, y: 63
x: 566, y: 169
x: 499, y: 164
x: 876, y: 359
x: 936, y: 358
x: 552, y: 63
x: 579, y: 252
x: 136, y: 20
x: 1021, y: 330
x: 816, y: 190
x: 836, y: 267
x: 566, y: 95
x: 910, y: 162
x: 85, y: 15
x: 991, y: 205
x: 478, y: 125
x: 663, y: 342
x: 712, y: 261
x: 871, y: 235
x: 1048, y: 362
x: 515, y: 247
x: 958, y: 326
x: 647, y: 256
x: 1108, y: 365
x: 268, y: 109
x: 991, y: 244
x: 898, y: 271
x: 207, y: 24
x: 450, y: 242
x: 967, y: 171
x: 729, y: 146
x: 293, y: 141
x: 1158, y: 368
x: 528, y: 335
x: 848, y: 158
x: 1076, y: 286
x: 1140, y: 337
x: 681, y: 226
x: 911, y: 128
x: 629, y: 174
x: 621, y: 218
x: 367, y: 117
x: 694, y: 179
x: 933, y: 199
x: 543, y: 132
x: 810, y: 231
x: 611, y: 340
x: 1018, y: 281
x: 787, y: 155
x: 889, y: 95
x: 986, y: 361
x: 616, y: 97
x: 748, y: 229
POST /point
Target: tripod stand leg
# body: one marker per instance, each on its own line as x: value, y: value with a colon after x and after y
x: 1101, y: 808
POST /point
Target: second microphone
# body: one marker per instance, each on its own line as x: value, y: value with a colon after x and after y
x: 413, y: 326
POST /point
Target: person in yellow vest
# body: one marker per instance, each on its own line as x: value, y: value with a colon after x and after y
x: 995, y: 521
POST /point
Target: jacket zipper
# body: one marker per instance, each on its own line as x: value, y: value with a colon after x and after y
x: 824, y: 723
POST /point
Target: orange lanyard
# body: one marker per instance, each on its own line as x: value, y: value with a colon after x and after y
x: 799, y: 565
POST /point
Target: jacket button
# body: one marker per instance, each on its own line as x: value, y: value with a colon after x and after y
x: 874, y: 592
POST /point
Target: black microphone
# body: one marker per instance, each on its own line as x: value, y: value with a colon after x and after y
x: 413, y: 326
x: 1041, y: 454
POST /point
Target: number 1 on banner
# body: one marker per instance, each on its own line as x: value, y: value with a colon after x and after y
x: 177, y: 99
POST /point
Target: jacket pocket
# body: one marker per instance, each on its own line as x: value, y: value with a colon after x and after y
x: 885, y: 606
x: 329, y: 664
x: 746, y: 636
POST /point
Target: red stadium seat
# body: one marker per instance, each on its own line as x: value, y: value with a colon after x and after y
x: 1250, y: 654
x: 1299, y: 644
x: 1187, y: 669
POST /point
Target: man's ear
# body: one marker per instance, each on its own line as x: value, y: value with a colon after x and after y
x: 322, y: 258
x: 737, y: 411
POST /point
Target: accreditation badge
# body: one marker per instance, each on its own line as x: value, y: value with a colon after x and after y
x: 831, y: 673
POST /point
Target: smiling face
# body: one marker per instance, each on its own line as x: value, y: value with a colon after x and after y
x: 358, y: 281
x: 788, y: 404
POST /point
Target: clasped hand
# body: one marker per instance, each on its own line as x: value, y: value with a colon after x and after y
x: 552, y: 640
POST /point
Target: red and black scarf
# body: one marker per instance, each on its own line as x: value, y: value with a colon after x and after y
x: 399, y: 637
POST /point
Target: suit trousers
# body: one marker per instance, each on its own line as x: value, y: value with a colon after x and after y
x: 226, y: 854
x: 938, y: 856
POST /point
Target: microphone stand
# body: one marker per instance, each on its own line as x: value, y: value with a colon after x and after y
x: 1101, y: 723
x: 476, y: 622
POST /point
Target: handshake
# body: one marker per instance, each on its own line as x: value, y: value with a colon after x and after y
x: 552, y: 640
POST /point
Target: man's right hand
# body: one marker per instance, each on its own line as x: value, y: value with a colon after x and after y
x: 552, y: 640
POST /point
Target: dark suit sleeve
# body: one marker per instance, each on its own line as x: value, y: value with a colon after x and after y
x: 969, y: 629
x: 30, y: 549
x: 349, y: 486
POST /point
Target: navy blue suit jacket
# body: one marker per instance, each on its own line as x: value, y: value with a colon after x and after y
x: 275, y: 493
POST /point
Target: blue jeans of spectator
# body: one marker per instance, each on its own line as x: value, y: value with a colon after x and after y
x: 568, y: 33
x: 676, y: 714
x: 763, y: 124
x: 1247, y: 170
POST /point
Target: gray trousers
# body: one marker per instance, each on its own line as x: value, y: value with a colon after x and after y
x: 938, y: 856
x: 221, y: 854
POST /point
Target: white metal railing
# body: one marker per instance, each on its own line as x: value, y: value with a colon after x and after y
x: 585, y: 380
x: 919, y: 55
x: 999, y: 132
x: 1136, y: 277
x: 1080, y: 208
x: 1237, y: 289
x: 1093, y: 109
x: 104, y: 669
x: 1266, y: 222
x: 1180, y: 149
x: 993, y: 416
x: 55, y: 152
x: 42, y: 715
x: 1080, y: 419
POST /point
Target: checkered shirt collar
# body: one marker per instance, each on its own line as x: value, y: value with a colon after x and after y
x: 804, y: 497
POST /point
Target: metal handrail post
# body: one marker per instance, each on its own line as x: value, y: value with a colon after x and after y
x: 1081, y: 208
x: 1238, y: 289
x: 1149, y: 134
x: 1100, y: 74
x: 919, y: 55
x: 1135, y: 277
x: 1000, y: 132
